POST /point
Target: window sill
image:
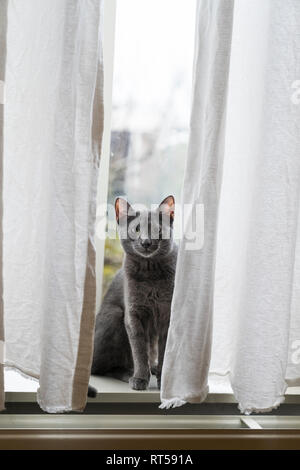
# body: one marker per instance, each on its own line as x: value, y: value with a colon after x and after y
x: 67, y: 432
x: 111, y: 390
x: 125, y: 419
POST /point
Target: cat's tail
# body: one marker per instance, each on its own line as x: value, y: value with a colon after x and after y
x: 92, y: 392
x: 117, y: 373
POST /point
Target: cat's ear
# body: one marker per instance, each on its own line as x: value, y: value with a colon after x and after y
x: 123, y: 208
x: 167, y: 206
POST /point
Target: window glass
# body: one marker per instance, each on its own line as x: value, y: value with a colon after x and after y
x: 154, y: 47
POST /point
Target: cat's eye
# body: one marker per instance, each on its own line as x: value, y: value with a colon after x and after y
x: 137, y: 229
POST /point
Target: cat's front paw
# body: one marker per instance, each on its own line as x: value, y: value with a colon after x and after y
x: 138, y: 384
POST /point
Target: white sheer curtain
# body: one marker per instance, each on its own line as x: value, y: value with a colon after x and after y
x: 236, y: 302
x: 53, y: 130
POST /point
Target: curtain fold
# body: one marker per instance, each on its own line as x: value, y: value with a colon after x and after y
x: 246, y: 277
x: 53, y: 132
x: 189, y: 338
x: 257, y: 274
x: 3, y: 28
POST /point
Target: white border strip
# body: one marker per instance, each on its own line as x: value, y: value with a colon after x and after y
x: 1, y: 92
x: 2, y: 352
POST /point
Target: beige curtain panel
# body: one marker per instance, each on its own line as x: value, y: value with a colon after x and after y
x: 53, y: 119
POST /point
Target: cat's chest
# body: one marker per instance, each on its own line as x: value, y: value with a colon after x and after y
x: 149, y: 282
x: 149, y: 272
x: 153, y: 291
x: 150, y: 292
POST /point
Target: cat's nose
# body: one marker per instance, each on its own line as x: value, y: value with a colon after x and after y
x: 146, y: 243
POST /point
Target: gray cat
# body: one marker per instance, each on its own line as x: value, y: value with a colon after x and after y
x: 132, y: 324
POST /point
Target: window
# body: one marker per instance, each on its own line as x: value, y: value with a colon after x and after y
x: 152, y: 47
x: 148, y: 140
x: 151, y: 100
